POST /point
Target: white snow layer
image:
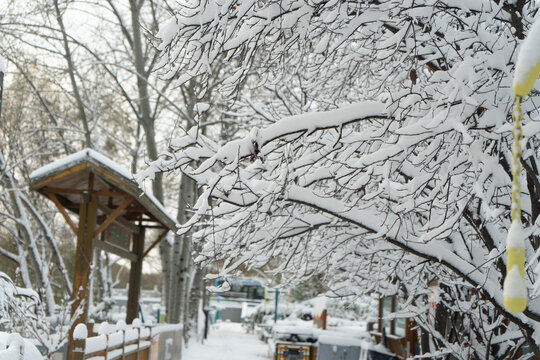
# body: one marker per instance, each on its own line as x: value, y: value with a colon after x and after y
x: 227, y: 341
x: 514, y: 286
x: 515, y: 236
x: 529, y: 54
x: 10, y: 348
x: 319, y: 305
x: 80, y: 332
x: 78, y: 157
x: 2, y: 65
x: 340, y: 340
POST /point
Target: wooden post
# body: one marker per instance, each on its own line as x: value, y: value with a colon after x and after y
x: 83, y: 260
x: 379, y: 322
x: 78, y: 349
x: 135, y: 273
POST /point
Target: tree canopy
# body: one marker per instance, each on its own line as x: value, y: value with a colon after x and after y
x: 393, y: 171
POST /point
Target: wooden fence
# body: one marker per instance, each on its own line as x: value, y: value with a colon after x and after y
x: 126, y: 343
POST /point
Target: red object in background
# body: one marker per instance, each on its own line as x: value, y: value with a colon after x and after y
x: 320, y: 320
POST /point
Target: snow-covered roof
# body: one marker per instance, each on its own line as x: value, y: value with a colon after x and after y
x: 71, y: 173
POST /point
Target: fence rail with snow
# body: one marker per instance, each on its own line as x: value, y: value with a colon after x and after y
x: 135, y: 342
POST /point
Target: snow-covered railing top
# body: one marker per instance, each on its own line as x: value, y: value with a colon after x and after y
x: 118, y: 341
x: 71, y: 174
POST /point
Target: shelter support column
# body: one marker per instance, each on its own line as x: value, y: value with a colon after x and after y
x: 135, y: 274
x: 83, y: 260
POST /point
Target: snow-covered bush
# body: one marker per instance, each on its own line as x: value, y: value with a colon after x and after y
x: 21, y: 312
x: 17, y: 305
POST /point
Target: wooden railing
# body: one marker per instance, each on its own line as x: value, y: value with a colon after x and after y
x: 126, y: 342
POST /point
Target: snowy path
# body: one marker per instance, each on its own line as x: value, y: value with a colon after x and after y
x: 227, y: 341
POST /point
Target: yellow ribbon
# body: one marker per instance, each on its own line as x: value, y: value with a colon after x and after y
x: 515, y: 292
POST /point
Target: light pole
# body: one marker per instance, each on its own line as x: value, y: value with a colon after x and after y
x: 2, y: 71
x: 276, y: 306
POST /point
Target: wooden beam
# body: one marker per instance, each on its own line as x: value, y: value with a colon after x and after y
x: 105, y: 174
x: 160, y: 237
x: 49, y: 190
x: 55, y: 190
x: 114, y: 249
x: 63, y: 212
x: 120, y: 220
x: 111, y: 193
x: 135, y: 275
x: 113, y: 215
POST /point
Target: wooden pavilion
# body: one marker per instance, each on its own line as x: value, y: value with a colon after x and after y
x: 113, y: 215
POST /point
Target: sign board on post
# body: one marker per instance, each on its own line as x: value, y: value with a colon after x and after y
x: 118, y: 236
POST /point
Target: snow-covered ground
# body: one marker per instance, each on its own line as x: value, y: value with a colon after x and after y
x: 227, y: 341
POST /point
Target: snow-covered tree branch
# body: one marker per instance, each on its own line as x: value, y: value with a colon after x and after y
x: 411, y: 185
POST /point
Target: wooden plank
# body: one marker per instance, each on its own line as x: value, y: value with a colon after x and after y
x: 59, y: 176
x: 120, y: 220
x: 111, y: 193
x: 135, y: 275
x: 114, y: 249
x: 160, y: 237
x: 78, y: 349
x: 113, y: 215
x: 55, y: 190
x: 62, y: 210
x: 80, y: 191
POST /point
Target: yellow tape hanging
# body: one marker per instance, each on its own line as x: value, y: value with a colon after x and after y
x: 523, y: 86
x: 526, y: 72
x: 514, y: 290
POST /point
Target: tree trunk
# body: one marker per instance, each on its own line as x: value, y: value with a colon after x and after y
x: 181, y: 253
x: 195, y: 298
x: 147, y: 121
x: 71, y: 72
x: 100, y: 270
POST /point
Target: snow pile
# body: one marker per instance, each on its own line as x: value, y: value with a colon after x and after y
x: 515, y: 236
x: 14, y: 347
x: 80, y: 332
x: 514, y: 287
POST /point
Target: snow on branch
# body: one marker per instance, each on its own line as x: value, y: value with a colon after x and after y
x: 386, y: 196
